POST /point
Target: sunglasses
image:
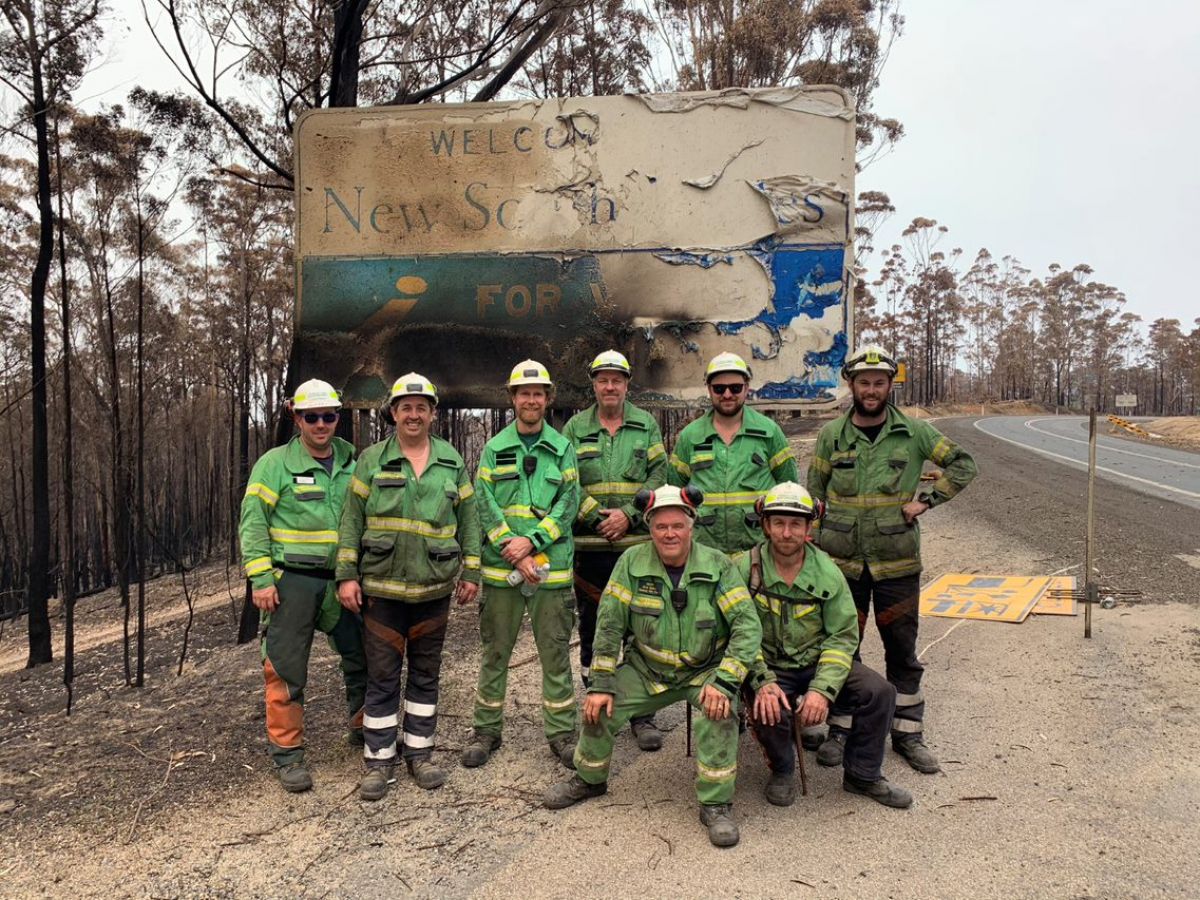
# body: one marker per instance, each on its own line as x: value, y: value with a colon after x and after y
x: 314, y: 418
x: 734, y: 389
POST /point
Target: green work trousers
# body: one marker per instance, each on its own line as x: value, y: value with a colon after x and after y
x: 716, y: 741
x: 552, y: 615
x: 306, y: 605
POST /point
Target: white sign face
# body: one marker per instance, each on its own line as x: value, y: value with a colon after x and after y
x: 1126, y: 401
x: 457, y: 239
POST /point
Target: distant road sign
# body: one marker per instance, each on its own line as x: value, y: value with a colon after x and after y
x: 901, y: 373
x: 1127, y: 400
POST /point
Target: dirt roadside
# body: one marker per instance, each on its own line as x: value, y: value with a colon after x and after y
x: 1088, y: 749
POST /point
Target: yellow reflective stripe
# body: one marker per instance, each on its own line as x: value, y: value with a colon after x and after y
x: 709, y: 774
x: 680, y: 466
x: 727, y: 600
x: 625, y: 488
x: 734, y: 668
x: 263, y: 493
x: 657, y: 687
x: 780, y: 457
x: 655, y: 451
x: 666, y: 657
x: 586, y: 507
x: 486, y: 474
x: 359, y: 488
x: 289, y: 536
x: 731, y: 498
x: 821, y: 465
x: 604, y: 664
x: 409, y: 526
x: 558, y: 704
x: 490, y: 704
x: 551, y: 528
x: 347, y: 555
x: 559, y: 577
x: 465, y: 490
x: 470, y: 562
x: 570, y: 475
x: 834, y: 658
x: 403, y: 590
x: 258, y: 566
x: 598, y: 765
x: 498, y: 532
x: 495, y: 573
x: 868, y: 501
x: 702, y: 457
x: 594, y: 541
x: 519, y: 512
x: 641, y: 602
x: 619, y: 591
x: 888, y: 568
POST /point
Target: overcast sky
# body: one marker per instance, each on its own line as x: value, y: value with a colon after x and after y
x: 1053, y: 130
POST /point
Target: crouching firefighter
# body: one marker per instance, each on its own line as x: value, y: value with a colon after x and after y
x: 689, y: 632
x: 288, y: 535
x: 810, y: 633
x: 409, y: 538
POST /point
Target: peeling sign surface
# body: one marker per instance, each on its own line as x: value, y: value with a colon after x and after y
x: 456, y: 239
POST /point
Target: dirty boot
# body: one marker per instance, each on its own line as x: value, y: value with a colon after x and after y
x: 781, y: 789
x: 881, y: 791
x: 722, y: 830
x: 294, y: 777
x: 374, y: 784
x: 563, y: 747
x: 812, y: 737
x: 646, y: 732
x: 480, y: 749
x: 428, y: 775
x: 832, y: 749
x: 913, y: 749
x: 569, y: 792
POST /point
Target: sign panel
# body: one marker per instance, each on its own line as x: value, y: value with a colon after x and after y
x: 457, y: 239
x: 994, y: 598
x: 1058, y: 599
x: 1126, y: 401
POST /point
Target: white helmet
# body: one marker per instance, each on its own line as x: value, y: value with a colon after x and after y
x: 316, y: 394
x: 413, y: 385
x: 871, y: 358
x: 610, y: 361
x: 727, y: 362
x: 787, y: 499
x: 686, y: 498
x: 529, y: 371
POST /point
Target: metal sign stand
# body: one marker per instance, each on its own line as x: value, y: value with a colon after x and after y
x: 1089, y: 577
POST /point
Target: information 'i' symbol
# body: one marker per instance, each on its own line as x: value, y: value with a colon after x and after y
x: 396, y: 310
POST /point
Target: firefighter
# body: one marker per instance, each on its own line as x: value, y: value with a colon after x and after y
x: 288, y: 535
x: 409, y: 537
x: 682, y: 617
x: 620, y: 451
x: 732, y: 454
x: 867, y: 468
x: 810, y: 634
x: 527, y: 494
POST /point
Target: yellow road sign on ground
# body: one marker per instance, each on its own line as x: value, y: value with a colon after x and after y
x: 993, y: 598
x: 1056, y: 601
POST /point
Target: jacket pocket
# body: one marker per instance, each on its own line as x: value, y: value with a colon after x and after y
x: 837, y: 536
x: 702, y: 643
x: 896, y: 465
x: 636, y: 472
x: 545, y: 490
x: 445, y: 558
x: 843, y: 477
x: 644, y: 616
x: 376, y: 556
x: 897, y: 539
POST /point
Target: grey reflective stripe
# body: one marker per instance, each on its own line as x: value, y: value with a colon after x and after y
x: 907, y: 726
x: 381, y: 721
x: 419, y: 709
x: 841, y: 721
x: 388, y: 752
x: 416, y: 741
x: 910, y: 699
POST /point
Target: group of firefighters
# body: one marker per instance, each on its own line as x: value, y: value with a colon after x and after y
x: 710, y: 576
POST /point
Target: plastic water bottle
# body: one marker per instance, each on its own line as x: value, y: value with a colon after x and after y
x: 515, y: 577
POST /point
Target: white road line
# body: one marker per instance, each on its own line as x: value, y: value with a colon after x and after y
x: 1108, y: 448
x: 1084, y: 465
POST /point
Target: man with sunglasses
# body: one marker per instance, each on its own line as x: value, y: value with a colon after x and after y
x: 620, y: 452
x: 867, y: 468
x: 289, y: 544
x: 732, y: 454
x: 679, y: 618
x: 409, y: 537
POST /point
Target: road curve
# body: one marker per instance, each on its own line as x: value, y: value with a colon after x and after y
x: 1162, y: 472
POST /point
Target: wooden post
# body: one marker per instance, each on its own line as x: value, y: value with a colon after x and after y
x: 1089, y: 548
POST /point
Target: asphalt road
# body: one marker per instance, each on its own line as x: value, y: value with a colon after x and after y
x: 1033, y: 482
x: 1160, y: 471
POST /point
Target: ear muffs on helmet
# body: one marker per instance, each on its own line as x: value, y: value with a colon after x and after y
x: 643, y: 500
x: 692, y: 496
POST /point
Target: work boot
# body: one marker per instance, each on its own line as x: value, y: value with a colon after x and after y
x: 563, y: 747
x: 648, y: 736
x: 913, y: 749
x: 428, y: 775
x: 374, y: 784
x: 294, y: 777
x: 569, y: 792
x: 480, y: 749
x: 832, y: 749
x: 722, y: 830
x: 881, y: 791
x: 812, y: 737
x: 781, y: 789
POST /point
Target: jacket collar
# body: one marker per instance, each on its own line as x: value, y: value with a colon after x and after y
x: 298, y: 460
x: 629, y: 418
x: 848, y: 434
x: 754, y: 424
x: 646, y: 564
x: 806, y: 579
x: 510, y: 438
x: 439, y: 452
